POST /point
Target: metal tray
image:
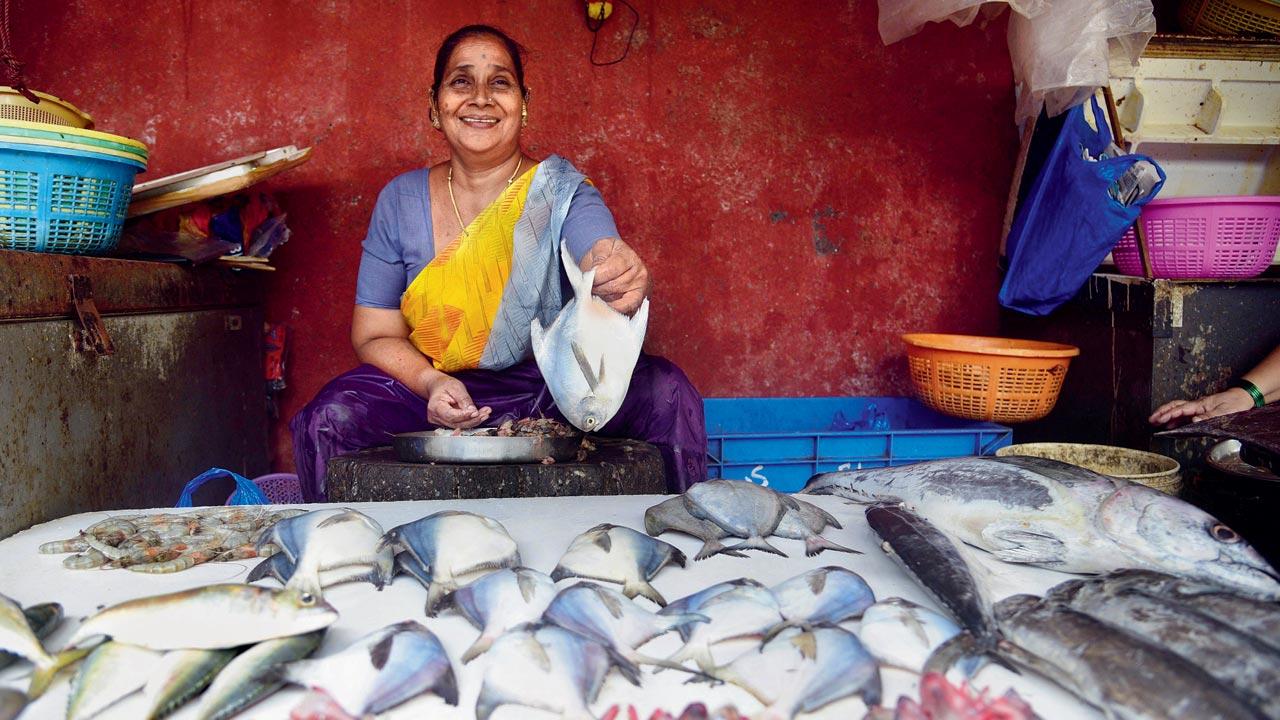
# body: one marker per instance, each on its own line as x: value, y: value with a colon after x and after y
x: 427, y: 447
x: 1225, y: 456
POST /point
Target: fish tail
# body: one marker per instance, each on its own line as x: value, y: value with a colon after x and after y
x: 815, y: 544
x: 270, y: 568
x: 715, y: 547
x: 478, y: 648
x: 757, y: 544
x: 682, y: 620
x: 305, y: 581
x: 48, y: 667
x: 664, y: 663
x: 435, y: 594
x: 966, y: 652
x: 644, y: 590
x: 446, y: 686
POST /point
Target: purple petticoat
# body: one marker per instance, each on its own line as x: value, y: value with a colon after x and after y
x: 364, y: 407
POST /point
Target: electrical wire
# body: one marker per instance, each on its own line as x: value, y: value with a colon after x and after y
x: 595, y: 24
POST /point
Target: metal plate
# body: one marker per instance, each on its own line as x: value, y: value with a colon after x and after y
x: 1225, y: 456
x: 427, y: 446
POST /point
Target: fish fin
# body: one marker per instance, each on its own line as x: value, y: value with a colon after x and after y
x: 773, y: 632
x: 44, y: 673
x: 626, y: 666
x: 1014, y: 542
x: 435, y: 594
x: 807, y: 643
x: 603, y: 541
x: 478, y: 648
x: 827, y: 518
x: 757, y: 544
x: 682, y: 621
x: 305, y: 582
x: 585, y: 366
x: 815, y: 544
x: 642, y: 659
x: 349, y: 515
x: 714, y: 547
x: 964, y: 651
x: 609, y: 600
x: 560, y: 573
x: 577, y: 278
x: 271, y: 568
x: 536, y: 335
x: 639, y: 323
x: 600, y: 372
x: 527, y: 583
x: 537, y: 652
x: 816, y: 581
x: 645, y: 590
x: 487, y: 702
x: 676, y: 557
x: 787, y: 501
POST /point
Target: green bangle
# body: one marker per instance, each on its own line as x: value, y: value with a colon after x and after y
x: 1258, y: 398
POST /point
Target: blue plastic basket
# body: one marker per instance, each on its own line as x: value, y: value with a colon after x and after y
x: 782, y: 442
x: 61, y: 200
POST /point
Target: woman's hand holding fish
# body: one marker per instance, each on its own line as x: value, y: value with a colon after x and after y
x: 1228, y: 401
x: 450, y: 405
x: 621, y: 278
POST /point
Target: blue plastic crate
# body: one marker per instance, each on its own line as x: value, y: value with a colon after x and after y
x: 782, y: 442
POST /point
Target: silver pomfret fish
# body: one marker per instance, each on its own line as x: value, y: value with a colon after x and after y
x: 499, y: 601
x: 111, y: 672
x: 743, y: 509
x: 249, y: 677
x: 330, y: 539
x: 743, y: 611
x: 588, y: 353
x: 180, y: 676
x: 608, y: 617
x: 1062, y: 517
x: 208, y: 618
x: 671, y: 514
x: 617, y: 554
x: 826, y: 595
x: 380, y: 670
x: 452, y: 544
x: 802, y: 671
x: 548, y: 668
x: 902, y: 634
x: 692, y: 603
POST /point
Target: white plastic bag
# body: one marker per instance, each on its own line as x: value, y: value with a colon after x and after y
x: 1061, y: 56
x: 1059, y: 48
x: 904, y: 18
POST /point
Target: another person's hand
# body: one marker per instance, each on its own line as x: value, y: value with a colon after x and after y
x: 621, y: 279
x: 450, y: 405
x: 1228, y: 401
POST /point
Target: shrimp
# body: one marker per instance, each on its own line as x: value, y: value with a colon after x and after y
x: 88, y: 559
x: 182, y: 562
x: 70, y: 545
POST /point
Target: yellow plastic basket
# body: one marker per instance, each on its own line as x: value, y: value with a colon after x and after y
x: 1230, y: 17
x: 15, y: 106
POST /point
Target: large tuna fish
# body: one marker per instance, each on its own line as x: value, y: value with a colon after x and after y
x: 588, y: 353
x: 1063, y: 517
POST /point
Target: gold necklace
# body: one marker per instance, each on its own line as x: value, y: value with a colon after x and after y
x: 458, y: 215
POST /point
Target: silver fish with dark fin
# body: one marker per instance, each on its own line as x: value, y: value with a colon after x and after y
x: 802, y: 671
x: 609, y: 618
x: 1245, y: 664
x: 548, y: 668
x: 742, y: 509
x: 617, y: 554
x: 742, y: 612
x: 499, y: 601
x: 110, y: 673
x: 1123, y: 676
x: 380, y: 670
x: 453, y: 544
x: 822, y: 596
x: 904, y: 635
x: 692, y: 603
x: 342, y: 539
x: 249, y: 677
x: 672, y: 515
x: 180, y: 676
x: 1063, y: 517
x: 42, y: 619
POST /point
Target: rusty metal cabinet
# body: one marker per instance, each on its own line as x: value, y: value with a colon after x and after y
x: 1143, y: 343
x: 181, y: 392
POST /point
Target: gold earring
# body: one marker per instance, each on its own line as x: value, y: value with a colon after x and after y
x: 435, y: 119
x: 524, y: 115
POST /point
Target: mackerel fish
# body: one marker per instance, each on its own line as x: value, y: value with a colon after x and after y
x: 42, y: 619
x: 588, y: 352
x: 1123, y: 676
x: 110, y: 673
x: 617, y: 554
x: 1063, y: 517
x: 452, y: 544
x: 499, y: 601
x: 249, y: 677
x: 180, y: 676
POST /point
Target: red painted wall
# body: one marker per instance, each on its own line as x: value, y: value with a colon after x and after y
x: 802, y: 193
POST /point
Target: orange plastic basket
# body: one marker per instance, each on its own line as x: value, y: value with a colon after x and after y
x: 986, y: 378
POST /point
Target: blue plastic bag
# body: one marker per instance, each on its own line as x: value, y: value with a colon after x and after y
x: 246, y: 493
x: 1068, y: 222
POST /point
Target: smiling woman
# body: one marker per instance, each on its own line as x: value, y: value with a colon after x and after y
x: 459, y: 258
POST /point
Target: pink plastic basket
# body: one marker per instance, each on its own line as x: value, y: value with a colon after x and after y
x: 1204, y: 237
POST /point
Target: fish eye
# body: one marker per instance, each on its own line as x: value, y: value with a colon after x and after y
x: 590, y: 422
x: 307, y: 598
x: 1222, y: 533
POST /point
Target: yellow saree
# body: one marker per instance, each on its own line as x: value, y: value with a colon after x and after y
x: 451, y: 305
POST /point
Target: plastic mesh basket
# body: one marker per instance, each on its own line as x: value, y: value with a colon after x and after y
x: 1220, y: 237
x: 982, y: 378
x: 63, y: 200
x: 1230, y: 17
x: 280, y: 488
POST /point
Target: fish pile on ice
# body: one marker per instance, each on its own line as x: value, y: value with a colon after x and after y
x: 169, y: 542
x: 1175, y: 600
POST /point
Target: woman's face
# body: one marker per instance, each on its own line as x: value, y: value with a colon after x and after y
x: 479, y: 98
